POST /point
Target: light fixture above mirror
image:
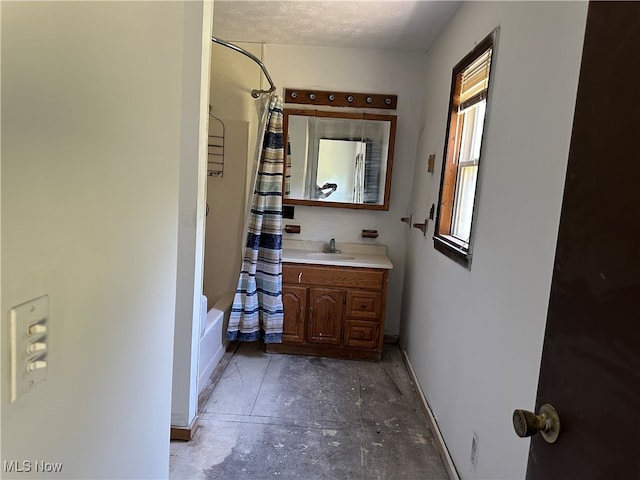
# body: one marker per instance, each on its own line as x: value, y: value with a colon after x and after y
x: 331, y: 98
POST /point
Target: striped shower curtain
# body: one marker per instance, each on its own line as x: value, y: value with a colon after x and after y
x: 257, y: 311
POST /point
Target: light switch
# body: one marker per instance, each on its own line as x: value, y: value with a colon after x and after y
x: 36, y: 365
x: 36, y: 347
x: 37, y: 328
x: 29, y: 329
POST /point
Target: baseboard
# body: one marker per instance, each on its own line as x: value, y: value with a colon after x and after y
x: 184, y: 433
x: 440, y: 444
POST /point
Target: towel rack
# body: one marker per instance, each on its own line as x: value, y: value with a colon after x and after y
x: 254, y: 93
x: 215, y: 158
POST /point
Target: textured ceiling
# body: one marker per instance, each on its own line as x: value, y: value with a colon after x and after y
x: 386, y: 24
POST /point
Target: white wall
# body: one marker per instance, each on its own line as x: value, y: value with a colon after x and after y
x: 196, y: 51
x: 91, y: 145
x: 362, y: 70
x: 475, y: 337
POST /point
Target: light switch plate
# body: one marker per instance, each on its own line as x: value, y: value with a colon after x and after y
x: 29, y: 329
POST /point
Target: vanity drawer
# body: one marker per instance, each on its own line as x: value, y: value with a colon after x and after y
x: 370, y: 278
x: 361, y: 334
x: 364, y: 305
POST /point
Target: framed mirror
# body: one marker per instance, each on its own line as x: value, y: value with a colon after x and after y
x: 338, y: 159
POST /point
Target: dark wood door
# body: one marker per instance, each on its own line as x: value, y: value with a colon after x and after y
x: 294, y: 301
x: 325, y: 315
x: 590, y: 370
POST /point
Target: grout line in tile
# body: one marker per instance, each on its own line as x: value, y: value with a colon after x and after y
x: 362, y: 449
x: 273, y: 421
x: 264, y: 420
x: 260, y: 419
x: 264, y: 375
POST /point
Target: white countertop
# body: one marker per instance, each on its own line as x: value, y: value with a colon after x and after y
x: 353, y: 254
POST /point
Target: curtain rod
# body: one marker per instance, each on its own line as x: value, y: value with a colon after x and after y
x: 254, y: 93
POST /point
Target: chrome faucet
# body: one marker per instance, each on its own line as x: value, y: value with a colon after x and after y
x: 332, y: 247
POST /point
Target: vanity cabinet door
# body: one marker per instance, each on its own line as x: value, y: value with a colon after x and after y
x: 294, y: 300
x: 325, y: 315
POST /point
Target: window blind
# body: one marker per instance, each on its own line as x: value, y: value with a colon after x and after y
x: 474, y: 81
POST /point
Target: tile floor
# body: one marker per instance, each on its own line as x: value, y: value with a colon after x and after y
x: 310, y: 418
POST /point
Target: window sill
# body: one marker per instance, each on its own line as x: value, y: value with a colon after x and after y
x: 456, y: 252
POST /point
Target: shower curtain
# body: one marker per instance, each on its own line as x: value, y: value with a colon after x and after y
x: 257, y: 311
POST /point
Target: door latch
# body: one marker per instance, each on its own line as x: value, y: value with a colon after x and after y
x: 547, y: 422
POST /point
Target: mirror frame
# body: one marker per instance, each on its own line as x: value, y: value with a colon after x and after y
x: 348, y: 115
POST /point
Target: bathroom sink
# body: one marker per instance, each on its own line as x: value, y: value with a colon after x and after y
x: 353, y: 255
x: 329, y: 256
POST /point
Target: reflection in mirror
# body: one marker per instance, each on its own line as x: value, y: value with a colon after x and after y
x: 339, y: 159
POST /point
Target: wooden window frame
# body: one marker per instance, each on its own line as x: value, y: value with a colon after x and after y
x: 457, y: 250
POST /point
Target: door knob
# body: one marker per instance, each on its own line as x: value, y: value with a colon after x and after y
x: 547, y: 422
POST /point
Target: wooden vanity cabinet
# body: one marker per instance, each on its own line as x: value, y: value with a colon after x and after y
x: 333, y: 311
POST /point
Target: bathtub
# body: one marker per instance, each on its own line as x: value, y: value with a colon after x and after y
x: 213, y: 326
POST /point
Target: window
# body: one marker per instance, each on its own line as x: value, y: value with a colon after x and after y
x: 463, y: 146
